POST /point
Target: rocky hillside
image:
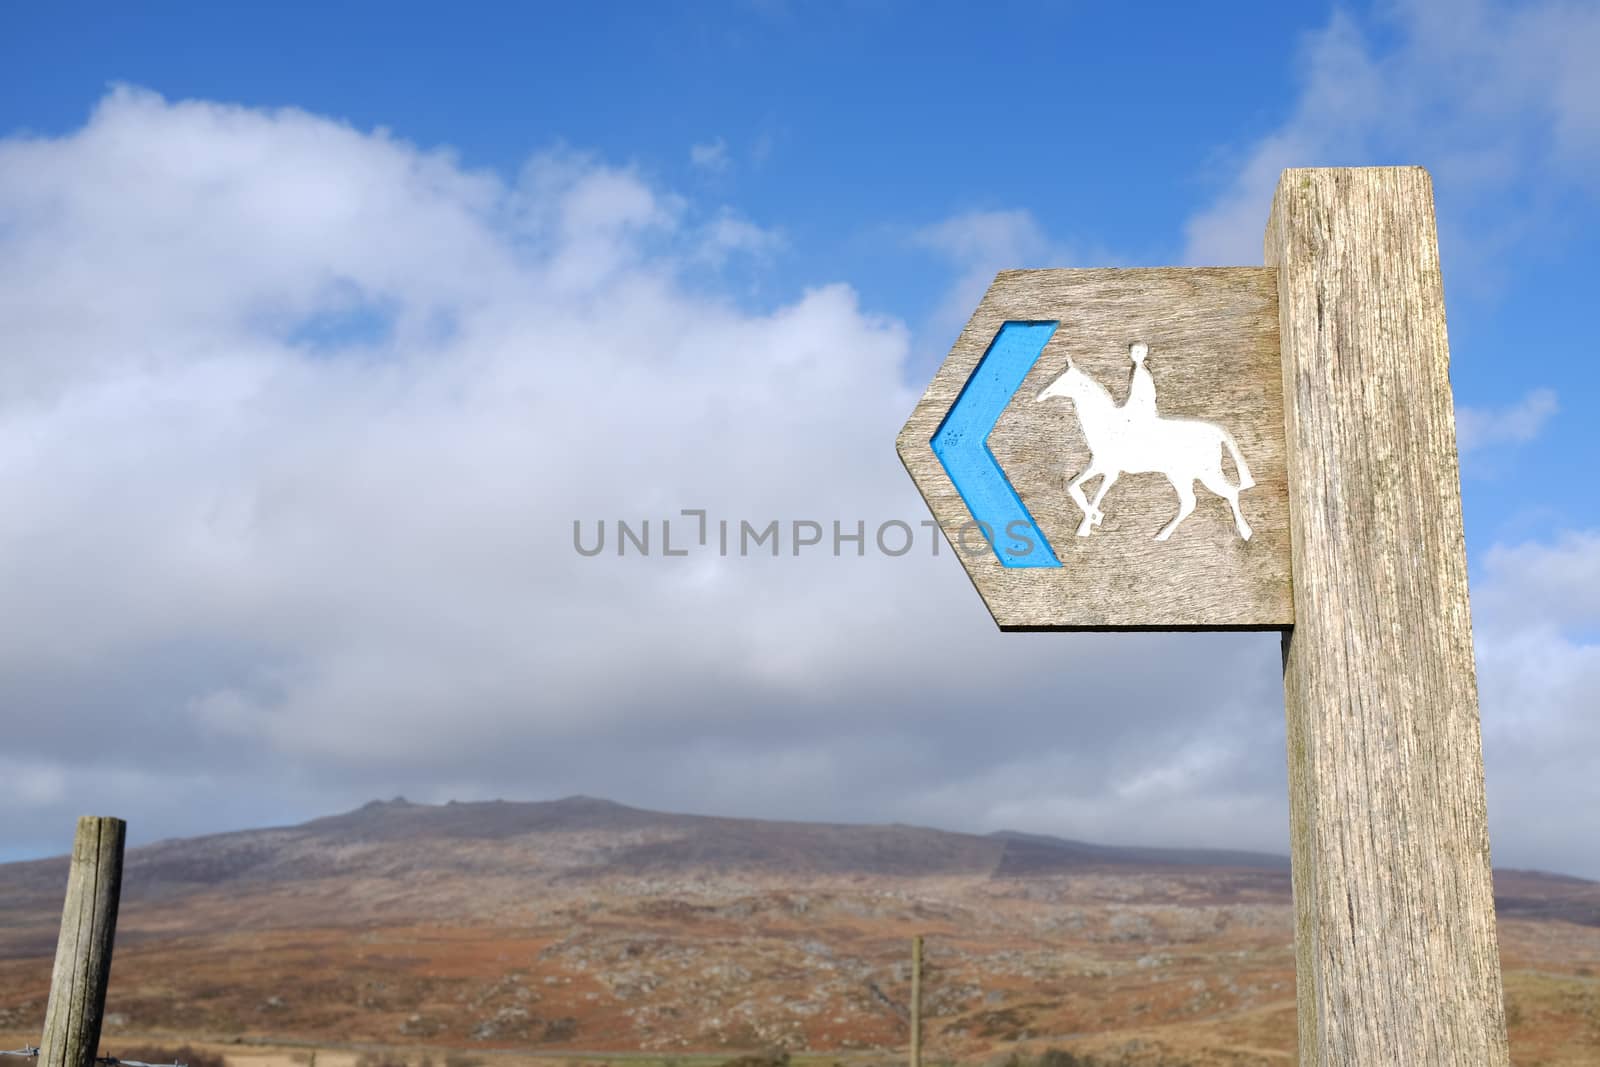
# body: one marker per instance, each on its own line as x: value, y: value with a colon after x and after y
x: 581, y: 925
x: 584, y: 837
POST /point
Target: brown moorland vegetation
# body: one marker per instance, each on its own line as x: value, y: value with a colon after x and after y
x: 578, y: 929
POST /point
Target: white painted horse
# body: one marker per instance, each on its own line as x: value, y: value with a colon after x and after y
x: 1185, y: 450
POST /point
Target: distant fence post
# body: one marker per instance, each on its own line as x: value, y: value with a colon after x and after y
x: 1396, y: 958
x: 916, y: 1001
x: 83, y: 949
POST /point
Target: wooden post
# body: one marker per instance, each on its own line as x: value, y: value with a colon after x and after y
x: 83, y: 949
x: 916, y: 1001
x: 1396, y: 958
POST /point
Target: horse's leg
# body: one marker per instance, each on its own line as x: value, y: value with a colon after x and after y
x: 1214, y: 481
x: 1100, y: 494
x: 1185, y: 488
x: 1075, y: 491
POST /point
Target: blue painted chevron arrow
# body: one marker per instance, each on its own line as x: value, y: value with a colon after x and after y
x: 962, y: 445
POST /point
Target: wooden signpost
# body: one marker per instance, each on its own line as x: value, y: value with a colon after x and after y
x: 1267, y: 448
x: 83, y: 951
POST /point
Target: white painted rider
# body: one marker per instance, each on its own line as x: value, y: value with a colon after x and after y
x: 1141, y: 403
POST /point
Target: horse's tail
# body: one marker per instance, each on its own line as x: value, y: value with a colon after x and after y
x: 1245, y: 481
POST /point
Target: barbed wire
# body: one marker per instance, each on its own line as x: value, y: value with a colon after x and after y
x: 30, y: 1051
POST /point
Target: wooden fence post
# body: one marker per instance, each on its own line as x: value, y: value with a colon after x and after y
x: 83, y: 949
x: 1396, y: 957
x: 916, y: 1001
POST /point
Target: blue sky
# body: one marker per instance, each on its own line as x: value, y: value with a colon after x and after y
x: 847, y: 127
x: 820, y: 189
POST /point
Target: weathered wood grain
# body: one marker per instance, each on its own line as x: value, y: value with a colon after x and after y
x: 83, y: 950
x: 1395, y: 937
x: 916, y: 1001
x: 1213, y: 337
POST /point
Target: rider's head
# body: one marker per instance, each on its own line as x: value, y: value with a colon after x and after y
x: 1138, y: 350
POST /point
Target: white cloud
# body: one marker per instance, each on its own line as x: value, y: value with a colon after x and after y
x: 1490, y: 97
x: 382, y: 530
x: 980, y: 244
x: 728, y: 234
x: 274, y: 570
x: 993, y: 237
x: 710, y: 155
x: 1549, y: 584
x: 1536, y: 609
x: 37, y: 785
x: 298, y: 419
x: 1521, y: 422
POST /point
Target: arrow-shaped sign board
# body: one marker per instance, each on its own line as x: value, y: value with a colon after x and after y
x: 1104, y: 450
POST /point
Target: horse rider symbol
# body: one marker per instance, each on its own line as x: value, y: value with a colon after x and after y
x: 1134, y: 439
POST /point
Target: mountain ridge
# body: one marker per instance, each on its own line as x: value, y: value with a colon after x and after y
x: 670, y: 839
x: 581, y: 837
x: 583, y: 923
x: 400, y: 819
